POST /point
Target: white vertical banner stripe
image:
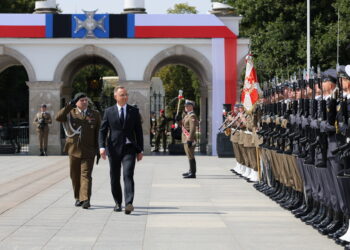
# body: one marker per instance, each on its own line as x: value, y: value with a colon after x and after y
x: 22, y: 19
x: 218, y: 91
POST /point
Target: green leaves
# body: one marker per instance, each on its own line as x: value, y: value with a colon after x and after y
x: 17, y: 6
x: 277, y: 29
x: 182, y: 8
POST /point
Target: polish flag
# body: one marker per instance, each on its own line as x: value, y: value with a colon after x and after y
x: 250, y: 92
x: 23, y: 25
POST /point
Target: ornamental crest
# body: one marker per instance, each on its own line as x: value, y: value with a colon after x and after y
x: 90, y: 24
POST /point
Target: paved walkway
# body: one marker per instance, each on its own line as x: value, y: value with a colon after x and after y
x: 215, y: 211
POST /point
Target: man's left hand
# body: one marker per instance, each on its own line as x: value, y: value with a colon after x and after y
x: 139, y: 156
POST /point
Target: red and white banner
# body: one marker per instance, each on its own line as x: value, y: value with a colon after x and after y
x: 250, y: 92
x: 22, y: 25
x: 180, y: 26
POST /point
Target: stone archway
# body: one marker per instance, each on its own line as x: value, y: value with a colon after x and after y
x: 63, y: 69
x: 196, y: 61
x: 11, y: 57
x: 76, y: 60
x: 14, y: 114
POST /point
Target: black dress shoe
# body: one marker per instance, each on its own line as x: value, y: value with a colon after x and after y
x: 190, y: 176
x: 78, y: 203
x: 187, y: 173
x: 129, y: 208
x: 41, y: 154
x: 118, y: 208
x: 86, y: 204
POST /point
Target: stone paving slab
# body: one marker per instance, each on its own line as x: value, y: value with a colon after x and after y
x: 215, y: 211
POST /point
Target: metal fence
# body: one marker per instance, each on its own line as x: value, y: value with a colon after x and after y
x: 14, y: 140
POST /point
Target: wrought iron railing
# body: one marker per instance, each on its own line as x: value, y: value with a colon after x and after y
x: 14, y: 139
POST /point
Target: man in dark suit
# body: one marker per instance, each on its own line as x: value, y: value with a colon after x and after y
x: 123, y: 145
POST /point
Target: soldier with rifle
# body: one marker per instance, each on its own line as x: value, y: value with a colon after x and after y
x: 161, y: 131
x: 42, y: 120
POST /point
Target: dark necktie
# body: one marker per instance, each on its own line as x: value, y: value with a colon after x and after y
x: 122, y: 116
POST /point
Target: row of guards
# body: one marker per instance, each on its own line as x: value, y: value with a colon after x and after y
x: 293, y: 143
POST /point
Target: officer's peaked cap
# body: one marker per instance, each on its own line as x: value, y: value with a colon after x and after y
x: 81, y: 94
x: 343, y: 73
x: 189, y: 102
x: 329, y: 75
x: 43, y: 106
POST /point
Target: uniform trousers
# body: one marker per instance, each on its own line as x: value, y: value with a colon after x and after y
x: 43, y: 135
x: 80, y: 174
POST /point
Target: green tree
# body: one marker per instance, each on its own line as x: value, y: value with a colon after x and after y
x: 176, y: 77
x: 94, y: 73
x: 17, y: 6
x: 182, y: 8
x: 277, y: 29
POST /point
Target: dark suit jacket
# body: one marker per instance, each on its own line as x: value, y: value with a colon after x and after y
x: 114, y: 134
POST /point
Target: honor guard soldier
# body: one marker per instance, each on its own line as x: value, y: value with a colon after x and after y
x: 189, y: 125
x: 81, y: 125
x: 161, y: 130
x: 42, y: 120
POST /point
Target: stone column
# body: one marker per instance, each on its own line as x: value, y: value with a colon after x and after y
x: 210, y: 110
x: 48, y: 93
x: 203, y: 120
x: 139, y: 94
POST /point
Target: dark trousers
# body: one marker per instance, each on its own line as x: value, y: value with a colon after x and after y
x: 127, y: 160
x: 160, y: 136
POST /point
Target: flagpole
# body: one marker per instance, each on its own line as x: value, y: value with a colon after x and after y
x: 308, y: 48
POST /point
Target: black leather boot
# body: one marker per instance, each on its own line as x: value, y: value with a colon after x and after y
x: 322, y: 212
x: 313, y: 212
x: 189, y: 170
x: 334, y: 225
x: 307, y: 209
x: 296, y: 202
x: 341, y: 231
x: 193, y: 168
x: 329, y: 218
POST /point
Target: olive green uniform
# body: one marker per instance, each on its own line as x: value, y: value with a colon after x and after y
x: 161, y: 129
x: 81, y: 147
x: 42, y: 121
x: 189, y: 124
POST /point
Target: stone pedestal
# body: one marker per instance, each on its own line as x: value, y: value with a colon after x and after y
x: 48, y: 93
x: 139, y: 94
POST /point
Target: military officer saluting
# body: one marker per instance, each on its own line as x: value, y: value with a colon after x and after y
x: 189, y: 124
x: 81, y: 125
x: 42, y: 120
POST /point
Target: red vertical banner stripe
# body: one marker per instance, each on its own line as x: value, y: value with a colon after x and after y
x: 230, y: 70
